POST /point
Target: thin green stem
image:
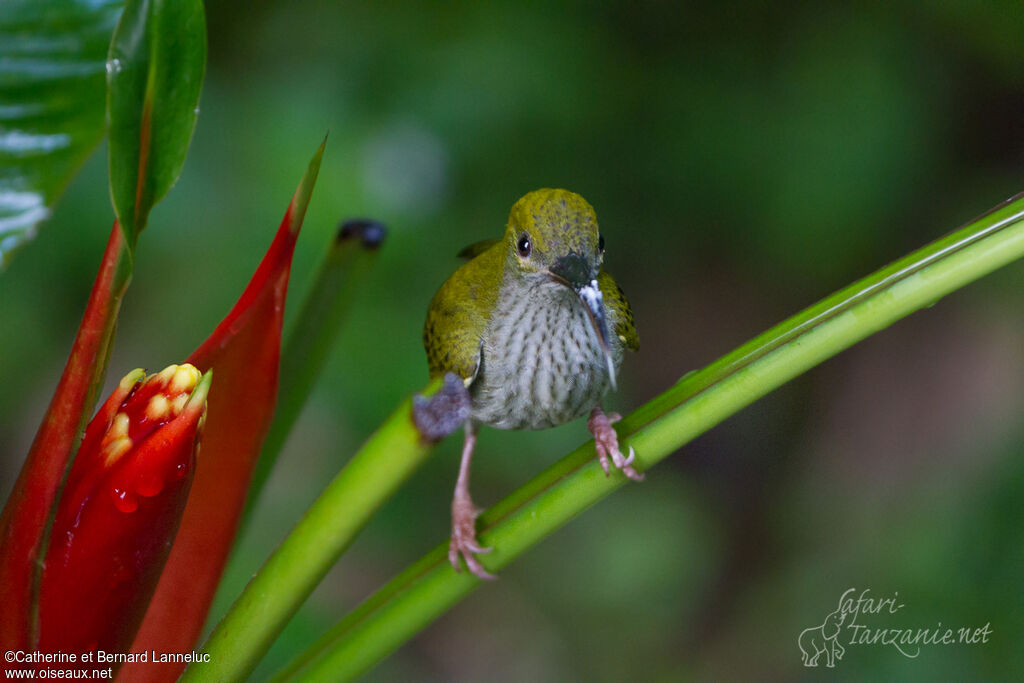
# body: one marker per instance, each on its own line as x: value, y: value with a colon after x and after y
x: 695, y: 404
x: 325, y: 531
x: 349, y: 259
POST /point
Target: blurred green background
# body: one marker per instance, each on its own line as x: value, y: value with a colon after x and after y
x: 744, y: 160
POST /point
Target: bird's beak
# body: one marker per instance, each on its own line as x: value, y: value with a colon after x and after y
x: 575, y: 272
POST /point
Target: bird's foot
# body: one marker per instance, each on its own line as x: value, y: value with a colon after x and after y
x: 606, y: 442
x: 464, y: 542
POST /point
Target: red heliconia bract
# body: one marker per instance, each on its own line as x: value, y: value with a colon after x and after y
x: 120, y: 510
x: 25, y: 517
x: 245, y: 352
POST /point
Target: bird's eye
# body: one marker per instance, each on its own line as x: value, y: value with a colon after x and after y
x: 600, y: 242
x: 524, y: 246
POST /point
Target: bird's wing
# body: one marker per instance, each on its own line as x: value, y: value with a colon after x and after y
x: 458, y: 315
x: 472, y: 251
x: 620, y: 314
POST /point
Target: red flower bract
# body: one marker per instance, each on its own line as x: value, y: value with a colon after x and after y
x: 120, y: 511
x: 245, y: 351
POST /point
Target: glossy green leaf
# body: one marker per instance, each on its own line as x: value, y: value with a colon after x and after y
x: 154, y: 76
x: 52, y: 57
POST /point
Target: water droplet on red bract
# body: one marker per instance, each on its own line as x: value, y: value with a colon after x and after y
x: 125, y: 501
x: 181, y: 470
x: 149, y: 485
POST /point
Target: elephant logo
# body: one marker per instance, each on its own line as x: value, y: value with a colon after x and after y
x: 823, y: 639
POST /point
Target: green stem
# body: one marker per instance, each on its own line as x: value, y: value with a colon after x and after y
x: 695, y: 404
x: 325, y: 531
x: 349, y: 259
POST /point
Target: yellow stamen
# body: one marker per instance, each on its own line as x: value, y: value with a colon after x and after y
x: 118, y: 428
x: 185, y: 379
x: 158, y: 407
x: 165, y: 375
x: 113, y: 451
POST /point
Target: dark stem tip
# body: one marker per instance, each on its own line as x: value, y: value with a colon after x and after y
x: 370, y: 232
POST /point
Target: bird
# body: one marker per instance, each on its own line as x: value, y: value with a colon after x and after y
x: 537, y: 330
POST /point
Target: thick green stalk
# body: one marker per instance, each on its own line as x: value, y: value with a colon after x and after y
x: 349, y: 259
x: 326, y: 530
x: 698, y: 402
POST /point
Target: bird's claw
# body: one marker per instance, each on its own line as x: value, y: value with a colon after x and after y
x: 464, y: 542
x: 606, y: 443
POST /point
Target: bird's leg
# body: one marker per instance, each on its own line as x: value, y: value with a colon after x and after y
x: 464, y: 515
x: 606, y: 442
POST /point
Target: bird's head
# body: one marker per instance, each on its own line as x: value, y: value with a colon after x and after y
x: 554, y: 234
x: 553, y: 237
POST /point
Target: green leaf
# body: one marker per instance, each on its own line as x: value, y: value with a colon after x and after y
x: 52, y: 56
x: 154, y: 76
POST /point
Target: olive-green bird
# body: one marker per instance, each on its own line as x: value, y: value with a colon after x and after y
x: 537, y: 330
